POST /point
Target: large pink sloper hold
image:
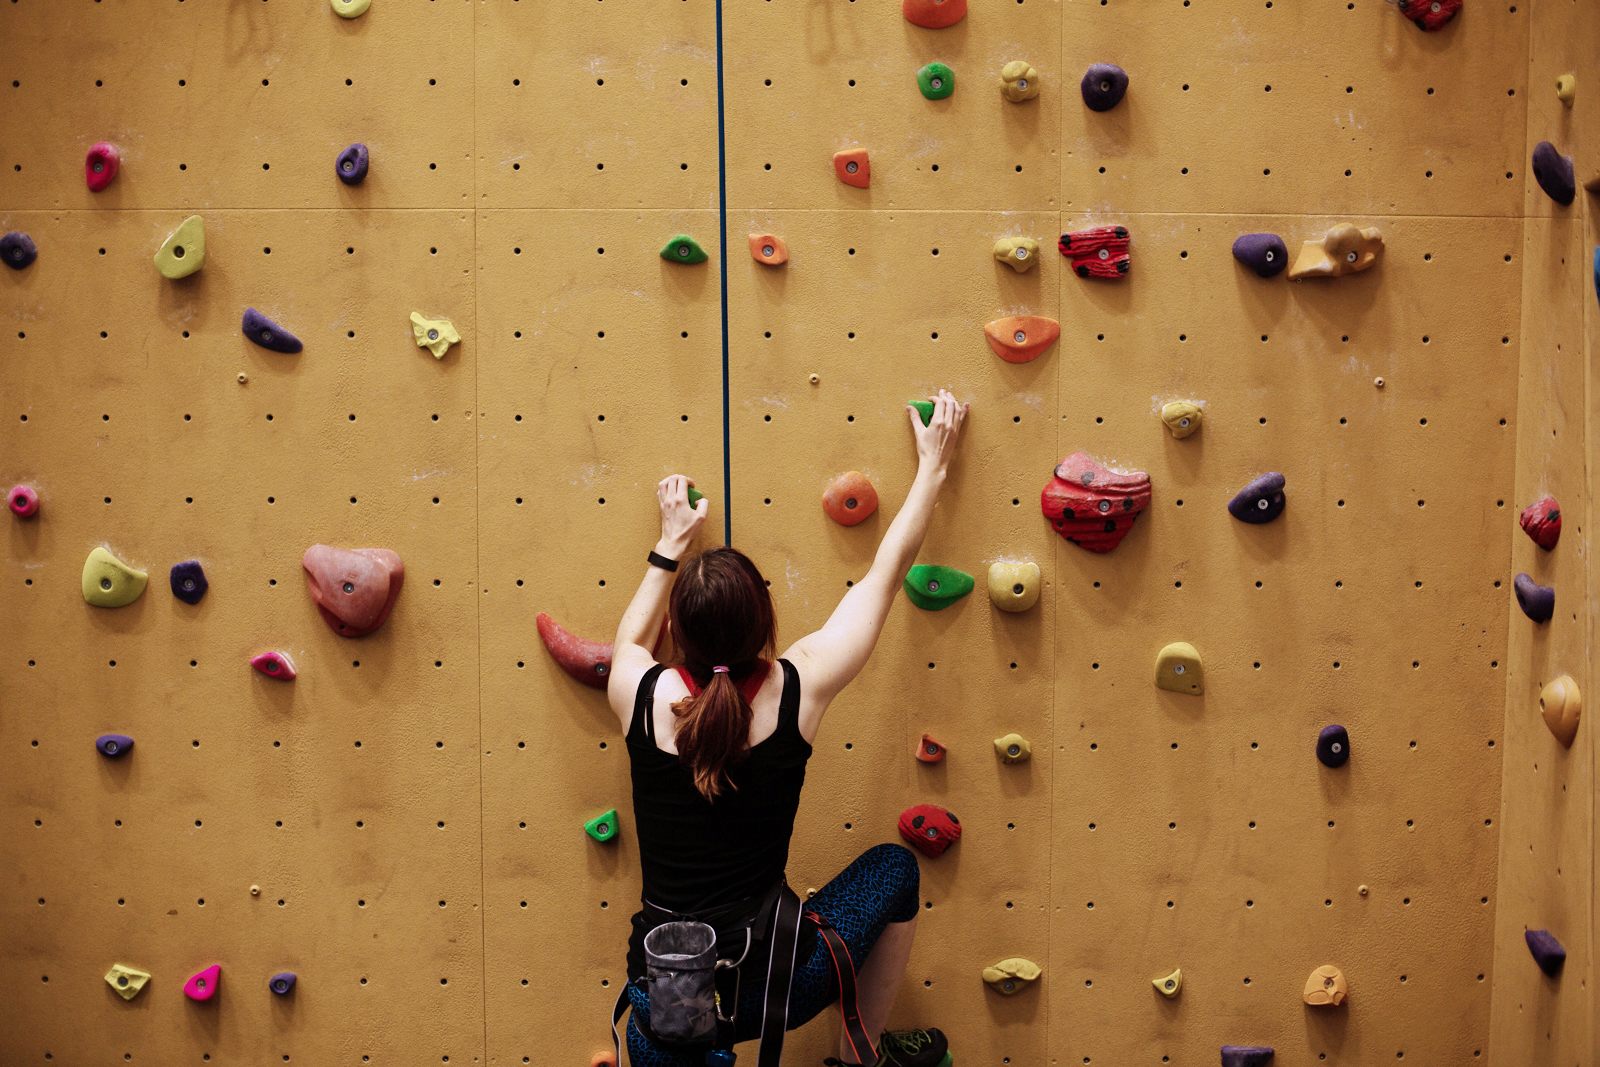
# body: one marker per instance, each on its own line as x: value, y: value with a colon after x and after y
x: 354, y: 588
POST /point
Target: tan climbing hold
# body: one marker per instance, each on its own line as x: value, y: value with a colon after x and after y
x: 1345, y: 249
x: 1012, y: 748
x: 436, y: 335
x: 1169, y: 985
x: 126, y: 981
x: 1561, y: 704
x: 1326, y: 986
x: 1008, y: 976
x: 1178, y: 669
x: 765, y: 248
x: 1018, y: 81
x: 1181, y: 417
x: 1018, y: 253
x: 1014, y: 586
x: 185, y: 251
x: 110, y: 583
x: 1567, y: 88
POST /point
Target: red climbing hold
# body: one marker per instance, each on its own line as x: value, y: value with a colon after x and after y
x: 930, y: 829
x: 355, y: 589
x: 937, y: 14
x: 1541, y: 520
x: 274, y: 665
x: 1429, y: 14
x: 23, y: 501
x: 1092, y: 505
x: 100, y: 166
x: 1098, y: 253
x: 587, y: 661
x: 929, y: 750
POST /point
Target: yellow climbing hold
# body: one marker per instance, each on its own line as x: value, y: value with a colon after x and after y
x: 1008, y: 976
x: 1326, y: 986
x: 1018, y: 253
x: 1169, y: 985
x: 127, y: 981
x: 436, y: 335
x: 110, y: 583
x: 350, y: 9
x: 185, y: 251
x: 1178, y: 669
x: 1012, y: 748
x: 1014, y: 586
x: 1018, y: 81
x: 1567, y: 88
x: 1181, y: 417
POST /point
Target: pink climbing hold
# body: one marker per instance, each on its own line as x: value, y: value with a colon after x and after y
x: 24, y: 501
x: 274, y: 665
x: 1541, y: 520
x: 588, y: 662
x: 354, y: 589
x: 1092, y: 505
x: 100, y: 166
x: 203, y: 986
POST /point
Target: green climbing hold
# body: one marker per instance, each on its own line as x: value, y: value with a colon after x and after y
x: 695, y: 496
x: 925, y: 409
x: 683, y: 249
x: 936, y: 81
x: 934, y: 588
x: 185, y: 251
x: 602, y: 827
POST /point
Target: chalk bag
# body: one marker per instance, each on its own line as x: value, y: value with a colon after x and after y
x: 681, y: 964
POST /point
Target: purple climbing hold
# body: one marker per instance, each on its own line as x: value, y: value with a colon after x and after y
x: 1103, y: 86
x: 189, y: 581
x: 351, y: 166
x: 281, y: 983
x: 1260, y: 501
x: 1538, y: 602
x: 268, y: 334
x: 113, y: 745
x: 1264, y: 253
x: 1246, y: 1055
x: 1333, y: 745
x: 18, y: 250
x: 1547, y: 951
x: 1553, y: 172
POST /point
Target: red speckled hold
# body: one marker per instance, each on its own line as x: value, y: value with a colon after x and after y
x: 587, y: 661
x: 930, y: 829
x: 1429, y: 14
x: 1541, y: 520
x: 1091, y: 505
x: 100, y: 166
x: 850, y: 498
x: 24, y: 501
x: 1098, y: 253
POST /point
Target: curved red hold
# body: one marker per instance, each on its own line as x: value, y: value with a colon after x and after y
x: 354, y: 589
x: 937, y: 14
x: 1541, y: 520
x: 203, y: 986
x: 100, y: 166
x: 1429, y: 14
x: 1091, y: 505
x: 23, y: 501
x: 586, y: 661
x: 274, y: 665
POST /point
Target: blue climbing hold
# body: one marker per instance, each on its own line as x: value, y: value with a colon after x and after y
x: 268, y: 334
x: 1333, y: 746
x: 1260, y: 501
x: 1538, y: 602
x: 1597, y: 272
x: 1547, y: 951
x: 113, y: 745
x: 18, y: 250
x: 351, y: 166
x: 1264, y: 253
x: 1246, y: 1055
x: 189, y: 581
x: 281, y: 983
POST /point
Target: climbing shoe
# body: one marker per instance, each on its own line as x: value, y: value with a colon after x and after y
x: 908, y: 1048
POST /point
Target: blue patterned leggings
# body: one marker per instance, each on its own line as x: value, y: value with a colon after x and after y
x: 879, y: 888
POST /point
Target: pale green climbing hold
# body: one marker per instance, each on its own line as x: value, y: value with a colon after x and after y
x: 683, y: 249
x: 436, y: 335
x: 602, y: 827
x: 1178, y: 669
x: 127, y: 981
x: 185, y: 251
x: 934, y: 588
x: 350, y: 9
x: 925, y: 409
x: 110, y: 583
x: 936, y: 81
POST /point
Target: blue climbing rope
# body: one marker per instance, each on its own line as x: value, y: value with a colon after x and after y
x: 722, y: 222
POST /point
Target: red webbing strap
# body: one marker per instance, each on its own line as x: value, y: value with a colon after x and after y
x: 844, y: 973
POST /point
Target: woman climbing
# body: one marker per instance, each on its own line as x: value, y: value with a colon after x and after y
x: 718, y: 749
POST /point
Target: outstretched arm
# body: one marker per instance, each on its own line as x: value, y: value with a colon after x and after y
x: 631, y: 652
x: 829, y: 659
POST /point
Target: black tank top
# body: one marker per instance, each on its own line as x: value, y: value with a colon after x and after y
x: 697, y: 855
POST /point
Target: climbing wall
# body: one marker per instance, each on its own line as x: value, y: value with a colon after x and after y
x: 401, y: 825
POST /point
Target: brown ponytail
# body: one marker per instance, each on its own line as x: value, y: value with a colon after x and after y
x: 721, y: 616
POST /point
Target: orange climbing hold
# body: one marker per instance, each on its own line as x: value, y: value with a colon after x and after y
x: 1021, y: 338
x: 849, y: 498
x: 853, y: 168
x: 933, y: 14
x: 929, y: 750
x: 765, y: 248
